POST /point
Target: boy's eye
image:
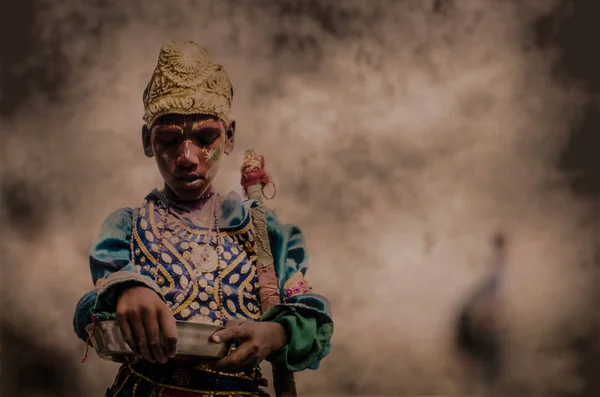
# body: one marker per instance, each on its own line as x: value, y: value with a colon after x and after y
x: 206, y: 137
x: 167, y: 136
x: 205, y: 140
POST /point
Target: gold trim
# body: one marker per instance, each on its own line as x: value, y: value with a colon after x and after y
x: 189, y: 300
x: 233, y: 264
x: 241, y: 375
x: 241, y: 289
x: 151, y: 218
x: 295, y: 281
x: 147, y: 254
x: 135, y: 386
x: 209, y: 392
x: 177, y: 223
x: 154, y: 261
x: 217, y: 294
x: 181, y: 259
x: 121, y: 369
x: 123, y: 384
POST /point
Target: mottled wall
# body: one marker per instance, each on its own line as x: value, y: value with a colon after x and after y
x: 401, y: 134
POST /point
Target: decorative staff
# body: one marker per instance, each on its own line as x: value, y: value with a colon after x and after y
x: 254, y: 181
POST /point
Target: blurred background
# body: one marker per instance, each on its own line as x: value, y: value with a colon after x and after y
x: 402, y: 135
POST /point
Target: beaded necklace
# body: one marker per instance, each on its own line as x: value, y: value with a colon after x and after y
x: 204, y: 257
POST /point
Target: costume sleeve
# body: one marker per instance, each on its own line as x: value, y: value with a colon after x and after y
x: 306, y: 316
x: 111, y: 270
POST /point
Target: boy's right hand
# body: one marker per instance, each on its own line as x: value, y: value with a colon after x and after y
x: 142, y: 316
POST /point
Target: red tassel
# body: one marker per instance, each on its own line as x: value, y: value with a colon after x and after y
x: 89, y: 338
x: 257, y: 177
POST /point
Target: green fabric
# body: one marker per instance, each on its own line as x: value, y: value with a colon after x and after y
x: 309, y: 337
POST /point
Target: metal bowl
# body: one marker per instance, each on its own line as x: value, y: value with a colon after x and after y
x: 193, y: 342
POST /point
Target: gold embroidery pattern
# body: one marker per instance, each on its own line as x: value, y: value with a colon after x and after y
x: 208, y: 296
x: 180, y: 258
x: 135, y: 386
x: 120, y: 373
x: 142, y: 247
x: 151, y: 213
x: 296, y: 285
x: 253, y: 311
x: 246, y: 304
x: 256, y: 374
x: 233, y: 265
x: 217, y: 295
x: 122, y: 384
x: 222, y: 302
x: 189, y: 300
x: 171, y: 283
x: 177, y: 226
x: 203, y: 393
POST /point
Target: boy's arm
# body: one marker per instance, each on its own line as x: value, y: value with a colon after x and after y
x: 112, y: 271
x: 306, y: 316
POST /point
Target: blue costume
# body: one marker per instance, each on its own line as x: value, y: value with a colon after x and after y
x: 152, y: 246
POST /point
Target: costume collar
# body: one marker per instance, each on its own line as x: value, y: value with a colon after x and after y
x: 234, y: 215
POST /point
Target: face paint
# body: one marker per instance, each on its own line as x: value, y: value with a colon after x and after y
x: 175, y: 127
x: 208, y: 155
x: 186, y: 150
x: 164, y: 155
x: 197, y: 124
x: 214, y: 156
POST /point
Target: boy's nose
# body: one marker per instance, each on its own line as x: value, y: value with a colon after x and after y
x: 186, y: 156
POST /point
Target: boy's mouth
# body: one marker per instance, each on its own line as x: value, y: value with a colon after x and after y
x: 189, y: 177
x: 190, y: 182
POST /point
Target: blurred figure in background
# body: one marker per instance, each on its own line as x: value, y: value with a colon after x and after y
x: 478, y: 326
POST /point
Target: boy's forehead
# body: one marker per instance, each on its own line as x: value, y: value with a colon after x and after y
x: 180, y: 119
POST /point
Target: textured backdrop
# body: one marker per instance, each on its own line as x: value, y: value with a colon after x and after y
x: 401, y: 135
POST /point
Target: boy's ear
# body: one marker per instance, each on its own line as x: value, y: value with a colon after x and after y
x: 230, y: 138
x: 147, y: 141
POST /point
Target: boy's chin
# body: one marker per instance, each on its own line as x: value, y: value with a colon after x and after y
x: 188, y: 194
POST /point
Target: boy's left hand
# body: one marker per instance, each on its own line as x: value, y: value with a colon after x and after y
x: 256, y: 341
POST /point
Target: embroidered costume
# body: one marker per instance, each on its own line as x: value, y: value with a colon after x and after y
x: 204, y: 273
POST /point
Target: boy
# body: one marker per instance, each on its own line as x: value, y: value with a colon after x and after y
x: 188, y: 255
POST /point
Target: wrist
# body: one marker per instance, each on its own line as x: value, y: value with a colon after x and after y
x: 279, y: 336
x: 127, y: 288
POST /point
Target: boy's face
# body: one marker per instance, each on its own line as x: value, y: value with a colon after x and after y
x: 188, y: 151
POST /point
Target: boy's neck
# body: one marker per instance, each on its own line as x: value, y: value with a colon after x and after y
x: 190, y: 205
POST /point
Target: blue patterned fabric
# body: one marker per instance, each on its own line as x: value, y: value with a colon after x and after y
x: 168, y: 250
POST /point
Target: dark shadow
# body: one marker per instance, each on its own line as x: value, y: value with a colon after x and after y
x: 573, y: 29
x: 30, y: 367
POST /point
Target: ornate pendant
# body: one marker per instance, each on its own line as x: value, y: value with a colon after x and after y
x: 205, y: 258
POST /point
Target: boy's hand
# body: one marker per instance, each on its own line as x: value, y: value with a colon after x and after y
x: 142, y: 317
x: 256, y: 341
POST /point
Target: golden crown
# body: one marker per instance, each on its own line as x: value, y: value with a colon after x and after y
x: 186, y: 81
